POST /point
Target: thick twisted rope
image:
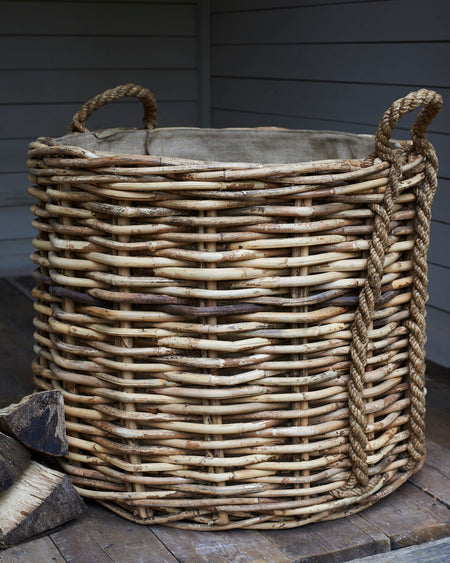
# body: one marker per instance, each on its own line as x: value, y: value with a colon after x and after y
x: 370, y: 293
x: 419, y: 297
x: 78, y: 123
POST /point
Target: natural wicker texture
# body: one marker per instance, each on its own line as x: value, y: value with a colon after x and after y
x: 238, y: 345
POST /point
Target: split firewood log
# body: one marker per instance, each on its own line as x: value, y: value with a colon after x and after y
x: 40, y: 500
x: 38, y: 422
x: 14, y: 459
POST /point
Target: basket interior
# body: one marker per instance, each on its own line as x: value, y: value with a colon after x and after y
x: 272, y: 145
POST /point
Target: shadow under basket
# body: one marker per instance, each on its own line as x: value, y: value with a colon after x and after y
x: 235, y: 317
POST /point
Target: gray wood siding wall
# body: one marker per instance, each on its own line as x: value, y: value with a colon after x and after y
x: 58, y: 54
x: 338, y: 65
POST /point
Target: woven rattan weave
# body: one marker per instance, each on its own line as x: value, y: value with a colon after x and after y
x: 239, y: 344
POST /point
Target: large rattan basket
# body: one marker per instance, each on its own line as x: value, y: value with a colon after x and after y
x: 235, y: 317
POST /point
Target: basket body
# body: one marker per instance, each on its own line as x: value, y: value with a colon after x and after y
x: 199, y: 318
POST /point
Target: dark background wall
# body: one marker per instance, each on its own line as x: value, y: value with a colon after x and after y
x: 318, y: 64
x: 58, y: 54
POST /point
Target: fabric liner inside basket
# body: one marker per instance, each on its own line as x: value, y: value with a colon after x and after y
x: 278, y: 146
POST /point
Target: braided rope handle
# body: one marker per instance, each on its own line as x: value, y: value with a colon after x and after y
x: 431, y: 103
x: 428, y: 100
x: 78, y: 123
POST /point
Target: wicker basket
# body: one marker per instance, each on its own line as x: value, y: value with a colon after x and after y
x: 235, y: 317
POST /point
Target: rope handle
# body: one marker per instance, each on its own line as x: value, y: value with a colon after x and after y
x: 431, y: 103
x: 78, y: 123
x: 360, y: 481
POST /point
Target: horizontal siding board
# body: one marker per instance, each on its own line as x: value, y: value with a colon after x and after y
x: 91, y: 18
x: 344, y: 22
x: 441, y: 204
x: 438, y: 336
x: 438, y: 287
x: 223, y: 117
x: 50, y: 52
x: 343, y: 63
x: 15, y: 223
x: 438, y: 252
x: 14, y: 190
x: 352, y: 102
x: 56, y: 86
x: 13, y: 156
x: 441, y: 144
x: 153, y: 2
x: 218, y: 6
x: 51, y: 120
x: 15, y: 257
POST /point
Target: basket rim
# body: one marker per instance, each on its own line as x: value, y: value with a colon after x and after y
x: 346, y: 143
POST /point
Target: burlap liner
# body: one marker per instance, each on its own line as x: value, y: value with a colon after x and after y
x: 277, y: 146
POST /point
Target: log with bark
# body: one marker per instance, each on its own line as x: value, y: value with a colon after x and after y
x: 38, y: 422
x: 14, y: 458
x: 34, y: 499
x: 40, y: 499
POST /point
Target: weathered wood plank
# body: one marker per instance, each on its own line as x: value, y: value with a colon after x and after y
x: 124, y: 540
x: 219, y: 547
x: 336, y: 540
x: 409, y: 516
x: 434, y: 477
x: 99, y: 535
x: 75, y: 543
x: 430, y: 480
x: 41, y: 549
x: 438, y: 456
x: 430, y: 552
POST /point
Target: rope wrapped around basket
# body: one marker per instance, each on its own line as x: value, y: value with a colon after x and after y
x: 371, y: 290
x: 238, y: 332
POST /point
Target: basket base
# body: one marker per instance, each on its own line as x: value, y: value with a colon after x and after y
x: 200, y: 521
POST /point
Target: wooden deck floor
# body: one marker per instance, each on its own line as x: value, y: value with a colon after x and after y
x: 415, y: 514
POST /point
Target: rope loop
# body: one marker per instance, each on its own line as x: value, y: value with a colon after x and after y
x: 431, y: 103
x: 78, y: 123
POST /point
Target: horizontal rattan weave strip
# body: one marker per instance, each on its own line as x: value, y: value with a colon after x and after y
x: 238, y: 344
